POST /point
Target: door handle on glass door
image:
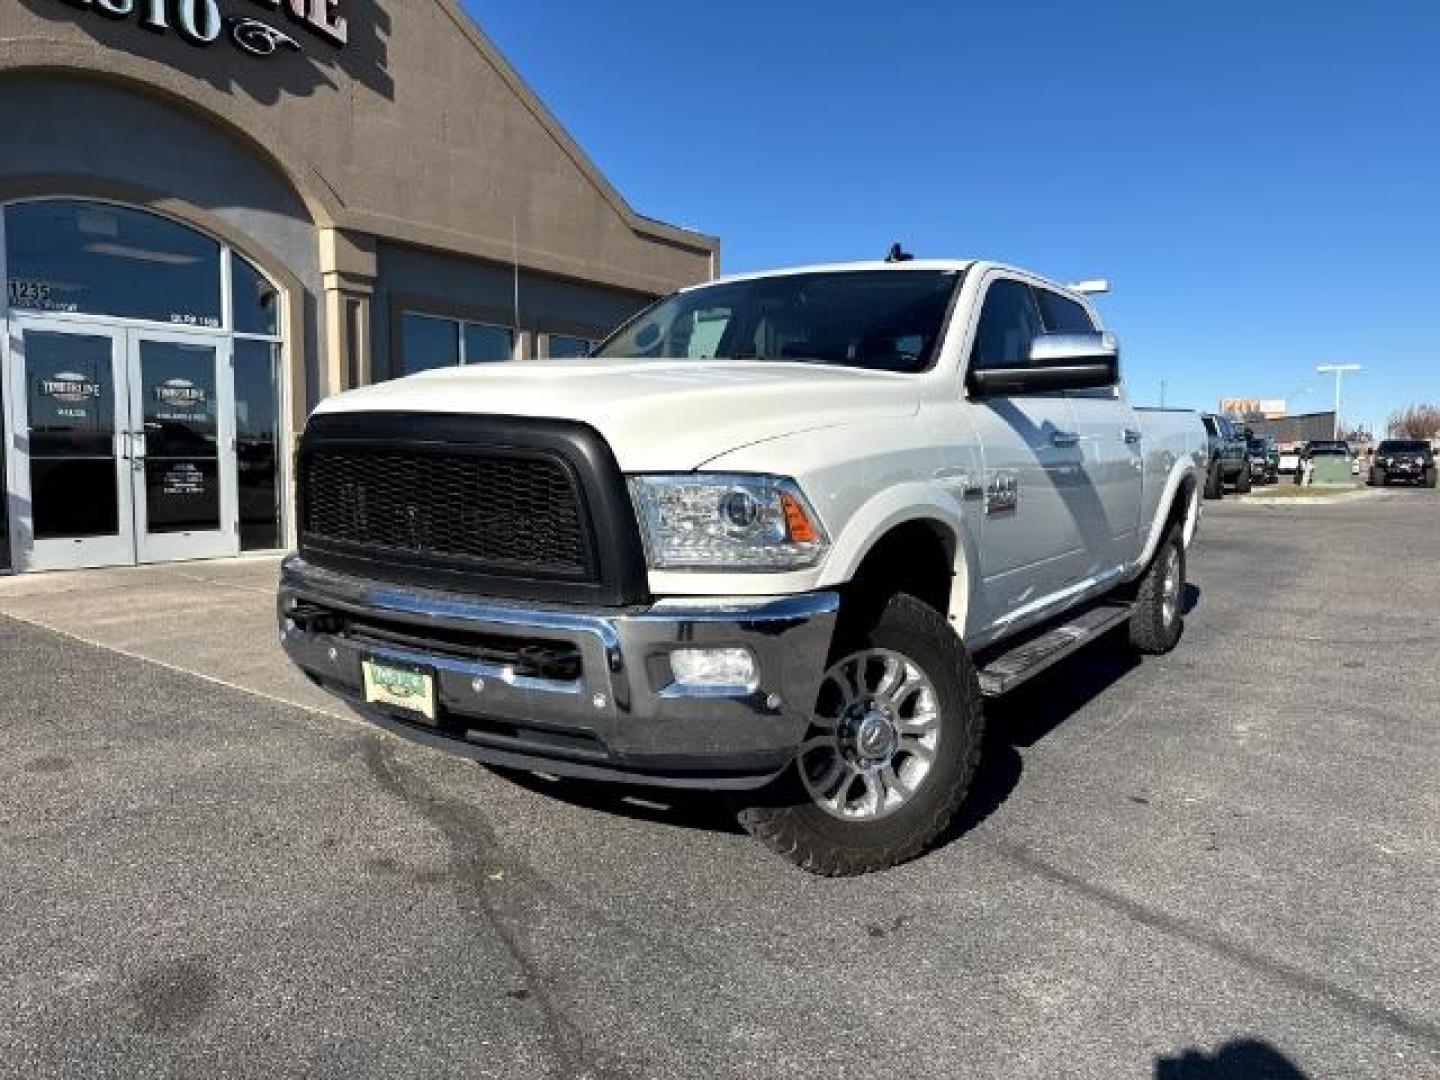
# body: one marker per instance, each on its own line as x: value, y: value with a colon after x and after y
x: 1131, y: 435
x: 1065, y: 438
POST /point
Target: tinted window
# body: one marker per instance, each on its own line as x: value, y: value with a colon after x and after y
x: 428, y: 343
x: 1403, y: 446
x: 254, y: 300
x: 1063, y: 315
x: 257, y: 440
x: 1009, y: 322
x: 488, y: 344
x: 883, y: 319
x: 108, y: 260
x: 560, y: 347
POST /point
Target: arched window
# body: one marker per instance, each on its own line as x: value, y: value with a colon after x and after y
x: 104, y: 268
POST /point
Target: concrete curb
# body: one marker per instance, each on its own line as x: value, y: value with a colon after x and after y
x: 1309, y: 500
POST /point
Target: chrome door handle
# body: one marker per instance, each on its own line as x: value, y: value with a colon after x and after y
x: 1065, y: 438
x: 1132, y: 436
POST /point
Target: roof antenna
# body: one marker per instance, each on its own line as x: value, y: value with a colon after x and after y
x: 898, y: 254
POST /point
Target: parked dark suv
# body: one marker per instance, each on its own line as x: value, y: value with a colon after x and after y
x: 1264, y: 461
x: 1229, y: 456
x: 1411, y: 460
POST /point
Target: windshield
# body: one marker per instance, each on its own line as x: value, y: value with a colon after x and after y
x: 1403, y: 446
x: 1329, y: 448
x: 1260, y: 446
x: 886, y: 320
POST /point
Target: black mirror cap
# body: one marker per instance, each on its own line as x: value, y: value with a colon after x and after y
x: 1093, y: 375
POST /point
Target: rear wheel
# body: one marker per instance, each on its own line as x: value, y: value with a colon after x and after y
x: 893, y: 743
x: 1430, y: 477
x: 1214, y: 488
x: 1159, y: 618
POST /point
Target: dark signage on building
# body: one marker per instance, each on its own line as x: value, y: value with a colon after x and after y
x: 202, y: 22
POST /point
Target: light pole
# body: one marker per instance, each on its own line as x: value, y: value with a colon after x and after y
x: 1340, y: 371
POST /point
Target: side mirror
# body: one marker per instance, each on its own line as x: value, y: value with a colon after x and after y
x: 1057, y: 362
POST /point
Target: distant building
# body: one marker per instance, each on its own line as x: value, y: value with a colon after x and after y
x: 1244, y: 408
x: 1302, y: 427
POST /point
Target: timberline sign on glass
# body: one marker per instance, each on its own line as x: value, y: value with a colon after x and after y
x: 201, y: 22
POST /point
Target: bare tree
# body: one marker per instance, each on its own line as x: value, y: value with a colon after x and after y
x: 1416, y: 422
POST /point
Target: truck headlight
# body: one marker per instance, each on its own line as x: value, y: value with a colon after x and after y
x: 724, y: 521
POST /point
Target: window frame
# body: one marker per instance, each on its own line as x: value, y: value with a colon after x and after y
x: 971, y: 364
x: 409, y: 310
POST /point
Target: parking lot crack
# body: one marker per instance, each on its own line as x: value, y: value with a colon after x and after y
x: 481, y: 869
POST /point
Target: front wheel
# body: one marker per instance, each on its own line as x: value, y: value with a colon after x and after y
x: 1377, y: 477
x: 1242, y: 482
x: 1430, y: 477
x: 893, y: 743
x: 1159, y: 618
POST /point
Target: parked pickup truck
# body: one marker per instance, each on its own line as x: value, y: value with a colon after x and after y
x: 1229, y: 457
x: 779, y: 536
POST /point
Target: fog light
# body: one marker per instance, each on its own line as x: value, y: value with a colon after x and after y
x: 710, y: 669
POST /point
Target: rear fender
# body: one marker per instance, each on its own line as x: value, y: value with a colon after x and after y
x: 1183, y: 469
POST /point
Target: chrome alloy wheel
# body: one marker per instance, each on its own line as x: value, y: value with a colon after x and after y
x: 873, y: 737
x: 1170, y: 586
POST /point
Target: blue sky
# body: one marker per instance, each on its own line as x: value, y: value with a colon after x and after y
x: 1260, y: 181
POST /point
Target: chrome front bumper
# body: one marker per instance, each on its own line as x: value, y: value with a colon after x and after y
x: 618, y: 715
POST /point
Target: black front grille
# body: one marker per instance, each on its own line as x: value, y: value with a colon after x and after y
x: 490, y: 505
x: 506, y: 512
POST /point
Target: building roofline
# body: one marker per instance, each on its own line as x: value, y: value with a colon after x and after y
x: 645, y: 226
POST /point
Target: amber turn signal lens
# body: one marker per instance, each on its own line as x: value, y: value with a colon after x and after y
x: 796, y: 523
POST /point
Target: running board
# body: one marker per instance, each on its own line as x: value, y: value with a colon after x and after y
x: 1032, y: 655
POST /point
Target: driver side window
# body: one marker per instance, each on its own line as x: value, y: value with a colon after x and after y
x: 1009, y: 322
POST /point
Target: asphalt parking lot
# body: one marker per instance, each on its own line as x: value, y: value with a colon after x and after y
x: 1219, y: 863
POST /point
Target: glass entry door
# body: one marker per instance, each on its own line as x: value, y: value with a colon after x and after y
x: 121, y: 445
x: 70, y: 491
x: 182, y: 447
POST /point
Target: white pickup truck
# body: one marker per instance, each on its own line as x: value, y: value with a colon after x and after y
x: 778, y: 536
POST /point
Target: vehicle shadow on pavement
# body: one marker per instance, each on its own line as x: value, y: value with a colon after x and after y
x: 1020, y: 719
x: 1241, y: 1059
x: 1026, y: 715
x: 702, y: 810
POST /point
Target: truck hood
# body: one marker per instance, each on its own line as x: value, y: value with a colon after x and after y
x: 657, y: 415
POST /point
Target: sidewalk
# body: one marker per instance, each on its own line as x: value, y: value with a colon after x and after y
x: 214, y: 619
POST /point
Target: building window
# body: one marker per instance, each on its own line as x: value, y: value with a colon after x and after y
x: 130, y: 273
x: 433, y: 341
x: 257, y: 442
x: 487, y: 344
x: 71, y: 257
x: 428, y: 343
x: 255, y: 303
x: 560, y: 347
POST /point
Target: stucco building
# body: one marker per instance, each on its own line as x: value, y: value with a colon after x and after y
x: 218, y: 212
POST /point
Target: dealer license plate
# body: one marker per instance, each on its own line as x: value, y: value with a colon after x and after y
x: 411, y: 689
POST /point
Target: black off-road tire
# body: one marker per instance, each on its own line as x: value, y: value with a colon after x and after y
x: 1378, y: 477
x: 1430, y: 477
x: 1150, y: 631
x: 1243, y: 482
x: 1214, y: 487
x: 785, y: 818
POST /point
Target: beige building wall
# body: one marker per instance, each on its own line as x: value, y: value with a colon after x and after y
x: 415, y: 129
